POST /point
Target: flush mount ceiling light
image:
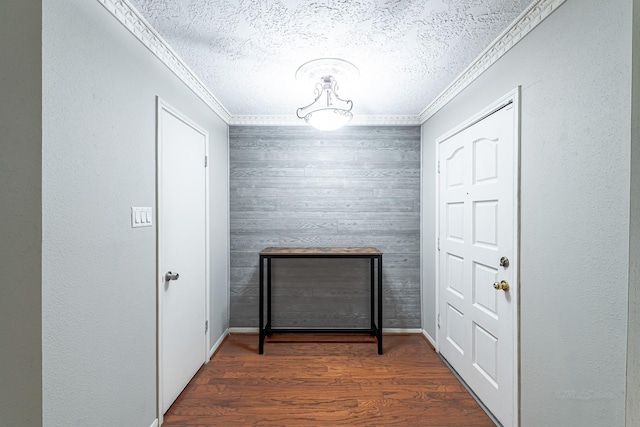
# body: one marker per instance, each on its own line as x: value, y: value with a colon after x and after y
x: 328, y: 111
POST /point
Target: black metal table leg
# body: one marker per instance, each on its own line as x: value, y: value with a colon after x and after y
x: 261, y: 310
x: 268, y: 326
x: 373, y: 296
x: 380, y: 305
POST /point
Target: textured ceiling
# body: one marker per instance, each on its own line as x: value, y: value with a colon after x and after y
x: 247, y: 51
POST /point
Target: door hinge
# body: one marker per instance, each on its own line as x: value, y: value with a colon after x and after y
x: 206, y: 161
x: 438, y: 320
x: 438, y: 243
x: 438, y: 166
x: 206, y: 326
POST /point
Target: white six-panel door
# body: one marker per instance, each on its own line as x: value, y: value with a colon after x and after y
x: 477, y: 212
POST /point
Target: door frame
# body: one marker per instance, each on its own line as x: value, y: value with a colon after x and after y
x: 161, y: 105
x: 513, y: 97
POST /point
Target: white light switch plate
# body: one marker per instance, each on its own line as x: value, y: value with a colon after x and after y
x: 141, y: 217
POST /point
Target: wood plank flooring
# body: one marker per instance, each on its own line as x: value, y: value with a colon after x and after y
x: 325, y: 380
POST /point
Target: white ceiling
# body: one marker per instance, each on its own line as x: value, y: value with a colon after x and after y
x: 247, y: 51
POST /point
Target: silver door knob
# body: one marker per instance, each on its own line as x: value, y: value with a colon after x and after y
x: 171, y: 276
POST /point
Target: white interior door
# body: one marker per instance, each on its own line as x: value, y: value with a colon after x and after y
x: 477, y: 228
x: 183, y: 252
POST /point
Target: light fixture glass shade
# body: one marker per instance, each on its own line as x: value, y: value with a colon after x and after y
x: 328, y: 111
x: 328, y: 119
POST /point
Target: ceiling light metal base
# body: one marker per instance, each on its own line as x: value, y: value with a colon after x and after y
x: 340, y: 69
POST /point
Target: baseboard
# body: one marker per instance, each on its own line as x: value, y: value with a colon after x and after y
x: 401, y: 330
x: 218, y: 343
x: 237, y: 330
x: 428, y: 338
x: 154, y: 423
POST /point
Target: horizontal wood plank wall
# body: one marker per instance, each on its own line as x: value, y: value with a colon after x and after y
x: 295, y: 186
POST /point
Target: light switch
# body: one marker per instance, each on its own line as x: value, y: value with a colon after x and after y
x: 141, y: 217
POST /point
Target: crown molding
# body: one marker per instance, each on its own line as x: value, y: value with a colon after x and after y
x: 129, y: 17
x: 292, y: 120
x: 264, y: 120
x: 522, y: 26
x: 385, y: 120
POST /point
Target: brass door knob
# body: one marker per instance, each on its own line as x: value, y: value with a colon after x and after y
x: 503, y: 285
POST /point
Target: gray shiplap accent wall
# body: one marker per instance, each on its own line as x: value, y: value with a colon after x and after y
x: 295, y: 186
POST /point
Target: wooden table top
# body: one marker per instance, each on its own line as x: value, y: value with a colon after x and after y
x: 314, y: 251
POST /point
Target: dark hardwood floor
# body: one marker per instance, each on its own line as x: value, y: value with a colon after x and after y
x: 325, y: 380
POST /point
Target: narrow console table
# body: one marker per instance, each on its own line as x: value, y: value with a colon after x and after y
x: 324, y: 252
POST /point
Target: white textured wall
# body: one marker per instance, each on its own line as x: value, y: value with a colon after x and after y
x: 428, y: 231
x: 219, y: 227
x: 633, y: 345
x: 98, y: 298
x: 575, y: 73
x: 20, y: 218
